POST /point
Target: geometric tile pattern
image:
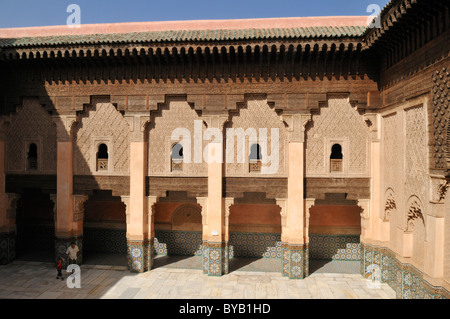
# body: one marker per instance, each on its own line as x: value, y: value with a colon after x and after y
x: 7, y: 247
x: 215, y: 258
x: 136, y: 255
x: 406, y: 280
x: 105, y: 240
x: 149, y: 253
x: 182, y: 243
x: 254, y: 245
x: 295, y: 261
x: 334, y: 247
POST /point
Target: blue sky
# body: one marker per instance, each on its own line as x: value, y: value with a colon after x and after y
x: 27, y: 13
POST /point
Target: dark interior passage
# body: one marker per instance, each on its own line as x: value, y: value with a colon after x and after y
x: 35, y: 240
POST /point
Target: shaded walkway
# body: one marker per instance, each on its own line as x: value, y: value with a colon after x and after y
x: 109, y: 259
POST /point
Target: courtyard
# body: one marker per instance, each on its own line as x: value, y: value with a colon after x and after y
x: 37, y: 280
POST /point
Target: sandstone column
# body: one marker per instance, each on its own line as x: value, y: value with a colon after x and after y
x: 376, y: 205
x: 215, y: 243
x: 295, y: 250
x: 68, y: 228
x: 137, y: 210
x: 435, y: 228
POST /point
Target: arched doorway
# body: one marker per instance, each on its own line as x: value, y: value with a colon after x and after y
x: 104, y: 230
x: 334, y: 235
x: 35, y: 239
x: 255, y: 235
x: 178, y: 235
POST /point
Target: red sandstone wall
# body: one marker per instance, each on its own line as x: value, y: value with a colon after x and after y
x: 337, y: 220
x: 104, y: 211
x: 164, y: 212
x: 255, y: 214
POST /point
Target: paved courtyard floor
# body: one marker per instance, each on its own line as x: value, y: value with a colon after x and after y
x: 29, y: 280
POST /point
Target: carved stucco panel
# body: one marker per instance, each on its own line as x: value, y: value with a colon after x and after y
x: 31, y: 124
x: 102, y: 122
x: 337, y: 121
x: 416, y: 154
x: 175, y: 114
x: 258, y: 114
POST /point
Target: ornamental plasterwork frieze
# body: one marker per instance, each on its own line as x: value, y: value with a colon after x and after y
x: 296, y: 126
x: 372, y: 121
x: 137, y: 123
x: 364, y: 204
x: 126, y: 202
x: 390, y: 205
x: 282, y: 203
x: 439, y: 189
x: 415, y: 213
x: 78, y: 207
x: 440, y: 118
x: 64, y: 125
x: 203, y: 202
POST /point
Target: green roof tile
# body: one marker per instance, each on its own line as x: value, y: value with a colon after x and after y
x: 187, y: 35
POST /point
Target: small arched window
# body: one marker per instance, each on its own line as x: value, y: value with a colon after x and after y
x: 177, y: 157
x: 336, y: 158
x: 102, y: 157
x: 255, y: 158
x: 32, y: 157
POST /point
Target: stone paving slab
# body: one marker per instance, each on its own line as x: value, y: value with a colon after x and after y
x: 33, y: 280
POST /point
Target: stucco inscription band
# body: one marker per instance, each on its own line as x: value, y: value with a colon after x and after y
x: 287, y: 143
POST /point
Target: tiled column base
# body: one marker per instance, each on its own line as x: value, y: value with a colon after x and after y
x: 137, y: 252
x: 295, y: 261
x: 149, y: 253
x: 215, y: 258
x: 7, y: 247
x: 61, y: 245
x: 380, y: 264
